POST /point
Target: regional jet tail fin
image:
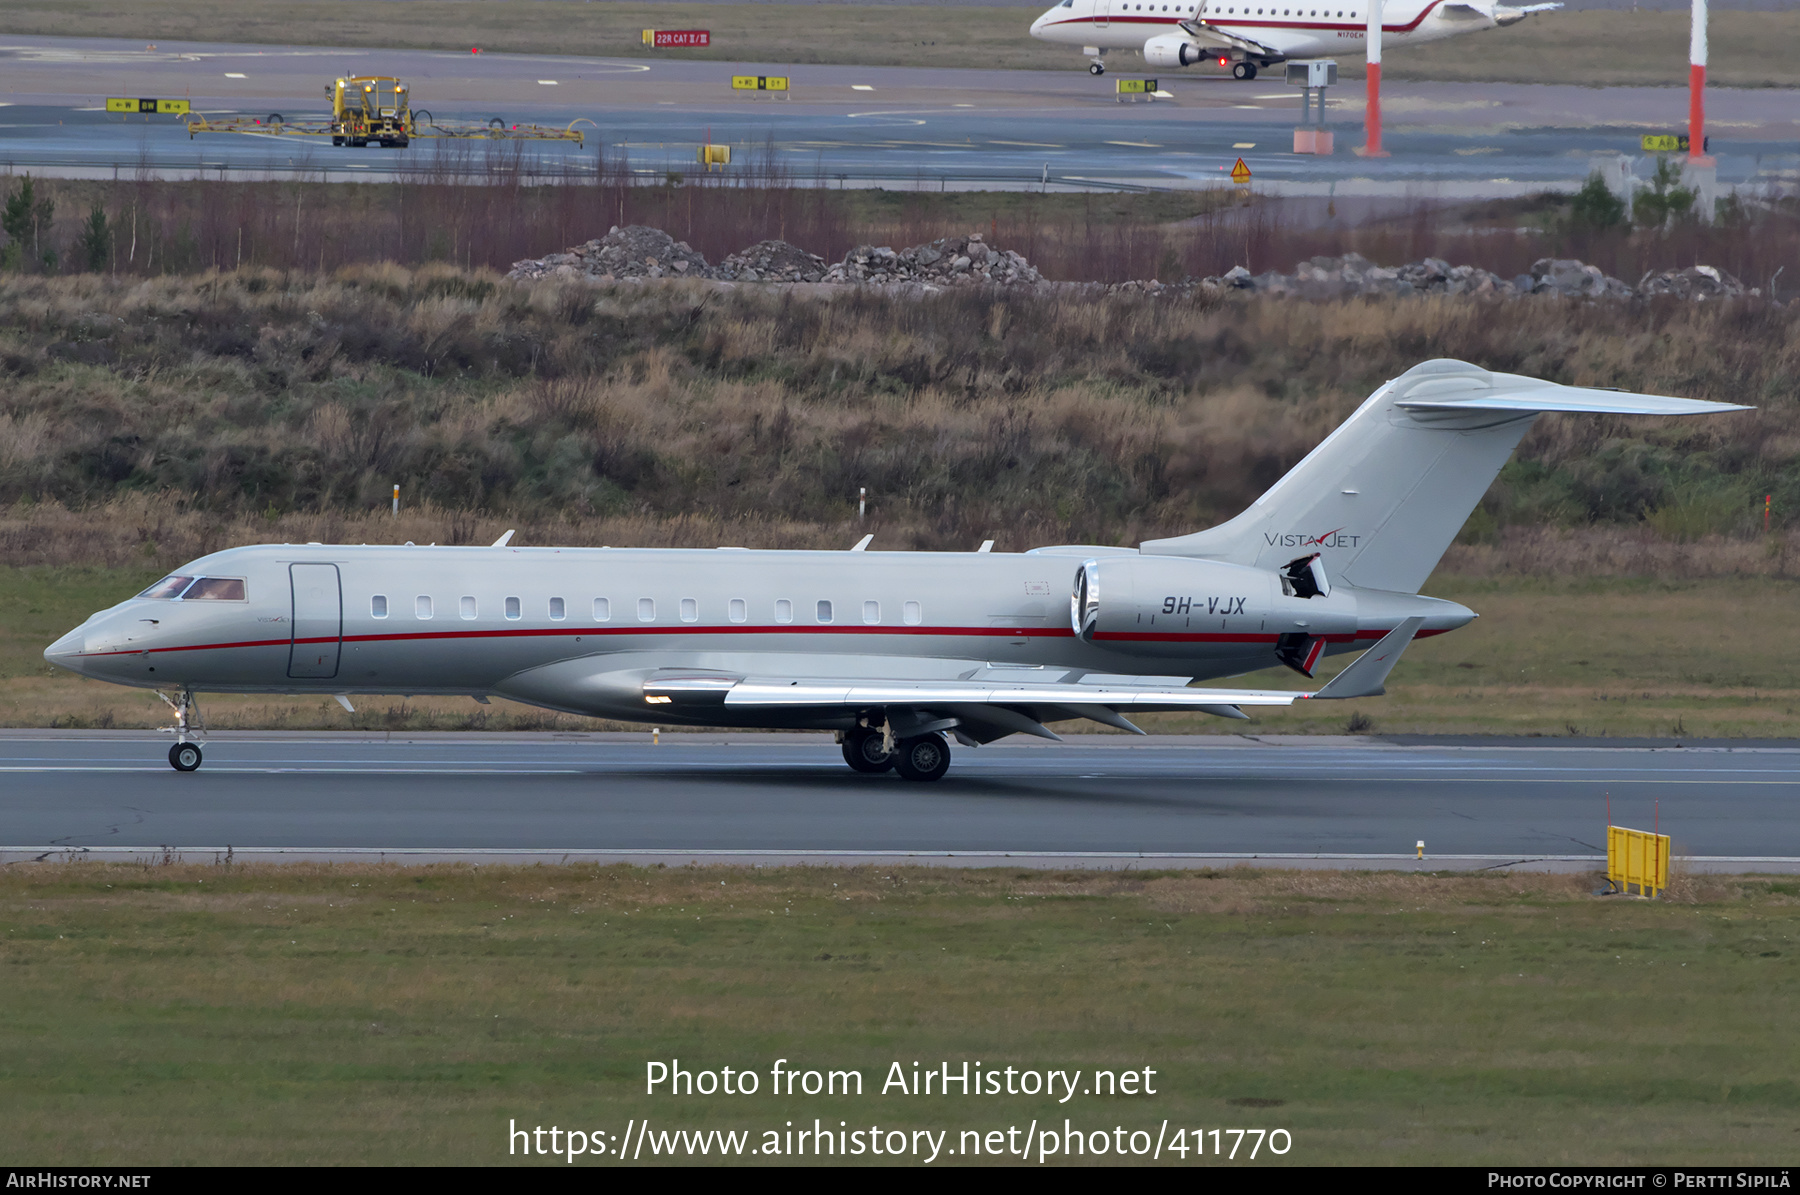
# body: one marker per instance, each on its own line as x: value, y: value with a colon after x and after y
x: 1382, y: 496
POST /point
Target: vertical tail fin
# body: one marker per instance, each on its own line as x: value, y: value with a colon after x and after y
x: 1383, y: 495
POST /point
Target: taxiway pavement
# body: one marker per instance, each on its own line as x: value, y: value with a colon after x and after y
x: 1096, y: 800
x: 850, y: 126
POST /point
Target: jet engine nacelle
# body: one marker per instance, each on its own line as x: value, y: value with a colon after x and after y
x: 1153, y: 605
x: 1172, y: 49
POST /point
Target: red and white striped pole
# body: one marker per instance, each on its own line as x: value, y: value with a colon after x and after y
x: 1372, y: 112
x: 1697, y: 83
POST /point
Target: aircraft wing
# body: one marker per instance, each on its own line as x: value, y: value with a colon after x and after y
x: 1213, y: 35
x: 984, y: 710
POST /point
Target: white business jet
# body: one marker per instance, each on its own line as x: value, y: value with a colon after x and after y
x: 1247, y: 35
x: 892, y: 650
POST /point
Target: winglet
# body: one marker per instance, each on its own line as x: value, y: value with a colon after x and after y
x: 502, y: 541
x: 862, y: 545
x: 1367, y: 674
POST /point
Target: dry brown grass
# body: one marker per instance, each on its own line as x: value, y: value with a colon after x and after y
x: 167, y: 417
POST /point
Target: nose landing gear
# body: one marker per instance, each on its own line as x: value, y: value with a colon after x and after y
x: 183, y: 756
x: 1096, y: 67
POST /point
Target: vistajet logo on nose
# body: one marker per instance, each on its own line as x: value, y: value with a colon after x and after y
x: 1299, y: 539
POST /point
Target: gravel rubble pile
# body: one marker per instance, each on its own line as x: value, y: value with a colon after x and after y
x: 949, y: 261
x: 630, y: 252
x: 771, y: 261
x: 637, y: 252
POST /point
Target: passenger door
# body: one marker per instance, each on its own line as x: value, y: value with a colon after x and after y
x: 318, y: 626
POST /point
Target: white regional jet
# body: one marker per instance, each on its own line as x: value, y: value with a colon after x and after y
x: 1259, y: 33
x: 893, y: 650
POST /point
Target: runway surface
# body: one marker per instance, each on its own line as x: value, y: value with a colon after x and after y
x: 776, y: 797
x: 849, y: 125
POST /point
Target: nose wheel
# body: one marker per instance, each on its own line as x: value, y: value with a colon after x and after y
x: 183, y: 756
x: 1096, y: 67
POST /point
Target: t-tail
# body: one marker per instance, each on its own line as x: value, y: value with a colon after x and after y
x: 1382, y: 497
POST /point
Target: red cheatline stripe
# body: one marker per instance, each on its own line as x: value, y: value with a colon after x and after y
x: 534, y: 633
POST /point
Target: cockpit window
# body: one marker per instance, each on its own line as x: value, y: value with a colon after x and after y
x: 168, y: 587
x: 1068, y: 3
x: 215, y: 589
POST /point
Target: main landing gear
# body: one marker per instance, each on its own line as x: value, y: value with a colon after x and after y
x: 183, y: 756
x: 922, y: 757
x: 1244, y: 70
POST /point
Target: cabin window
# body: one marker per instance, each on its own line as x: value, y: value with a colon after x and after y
x: 556, y: 610
x: 215, y: 589
x: 871, y: 612
x: 512, y: 607
x: 912, y: 613
x: 602, y: 609
x: 784, y: 610
x: 646, y: 609
x: 467, y: 608
x: 690, y: 610
x: 168, y: 587
x: 422, y: 606
x: 378, y: 606
x: 739, y: 611
x: 824, y: 611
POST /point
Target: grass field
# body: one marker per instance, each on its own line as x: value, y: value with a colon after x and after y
x: 363, y: 1015
x: 1588, y: 656
x: 1748, y: 49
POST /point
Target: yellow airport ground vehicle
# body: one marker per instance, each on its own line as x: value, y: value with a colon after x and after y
x: 377, y: 110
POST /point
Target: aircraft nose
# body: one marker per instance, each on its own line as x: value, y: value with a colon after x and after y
x: 66, y: 651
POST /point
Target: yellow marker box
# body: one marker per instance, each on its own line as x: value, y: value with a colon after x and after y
x: 1664, y: 143
x: 759, y: 82
x: 1137, y: 86
x: 649, y: 37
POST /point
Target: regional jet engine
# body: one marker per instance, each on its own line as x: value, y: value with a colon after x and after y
x: 1172, y: 49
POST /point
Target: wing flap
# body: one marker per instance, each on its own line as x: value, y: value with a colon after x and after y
x: 1213, y: 35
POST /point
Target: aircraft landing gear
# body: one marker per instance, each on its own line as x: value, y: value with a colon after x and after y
x: 183, y: 756
x: 1096, y: 67
x: 926, y: 757
x: 1244, y: 70
x: 867, y: 750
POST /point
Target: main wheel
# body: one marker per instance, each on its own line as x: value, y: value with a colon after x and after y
x: 184, y: 757
x: 924, y: 758
x: 863, y: 750
x: 1244, y: 70
x: 1096, y: 68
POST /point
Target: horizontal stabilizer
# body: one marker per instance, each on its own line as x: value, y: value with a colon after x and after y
x: 1576, y: 400
x: 1368, y: 673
